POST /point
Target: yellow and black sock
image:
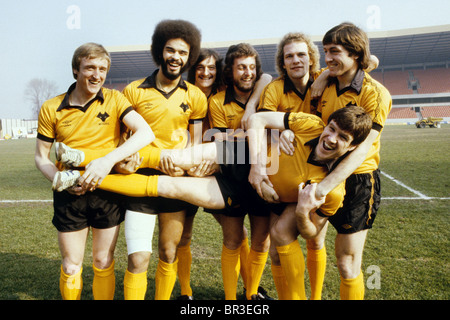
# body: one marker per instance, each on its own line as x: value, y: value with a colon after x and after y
x: 184, y: 269
x: 230, y: 271
x: 316, y: 261
x: 104, y: 284
x: 243, y: 258
x: 280, y: 283
x: 293, y: 265
x: 132, y: 185
x: 352, y: 289
x: 166, y: 275
x: 71, y: 285
x: 135, y: 285
x: 255, y: 268
x: 151, y: 157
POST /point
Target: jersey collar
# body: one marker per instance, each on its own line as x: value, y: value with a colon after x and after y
x: 356, y: 84
x: 150, y: 82
x: 230, y: 97
x: 65, y: 103
x: 289, y: 86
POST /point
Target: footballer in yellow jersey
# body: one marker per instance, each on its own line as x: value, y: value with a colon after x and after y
x: 318, y: 150
x: 366, y: 92
x: 225, y: 112
x: 297, y: 62
x: 281, y: 95
x: 301, y: 166
x: 75, y: 126
x: 175, y: 109
x: 347, y: 54
x: 168, y: 114
x: 87, y: 116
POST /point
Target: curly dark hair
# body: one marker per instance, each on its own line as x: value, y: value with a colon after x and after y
x: 175, y: 29
x: 238, y: 51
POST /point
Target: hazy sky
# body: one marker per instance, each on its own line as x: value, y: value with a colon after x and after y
x: 38, y: 37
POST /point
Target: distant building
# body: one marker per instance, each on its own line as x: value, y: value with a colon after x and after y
x: 18, y: 128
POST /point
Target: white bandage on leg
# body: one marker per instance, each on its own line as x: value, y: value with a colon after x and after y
x: 139, y: 229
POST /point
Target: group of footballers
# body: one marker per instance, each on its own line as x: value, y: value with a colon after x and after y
x: 292, y: 154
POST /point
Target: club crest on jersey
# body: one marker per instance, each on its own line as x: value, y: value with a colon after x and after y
x: 184, y: 106
x: 103, y: 116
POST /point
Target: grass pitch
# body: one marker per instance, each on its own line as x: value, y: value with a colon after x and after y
x: 406, y: 254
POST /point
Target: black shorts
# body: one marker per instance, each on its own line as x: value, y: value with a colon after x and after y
x: 278, y: 208
x: 98, y: 209
x: 361, y: 203
x: 230, y: 153
x: 155, y: 205
x: 238, y: 194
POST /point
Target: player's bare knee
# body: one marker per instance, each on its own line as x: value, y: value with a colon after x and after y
x: 138, y: 261
x: 315, y: 244
x: 278, y: 236
x: 103, y: 262
x: 70, y: 268
x: 274, y: 257
x: 261, y: 244
x: 232, y: 243
x: 347, y: 266
x: 168, y: 253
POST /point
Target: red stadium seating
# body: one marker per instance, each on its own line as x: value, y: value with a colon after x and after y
x: 402, y: 113
x: 429, y: 81
x: 433, y: 80
x: 440, y: 112
x: 395, y: 81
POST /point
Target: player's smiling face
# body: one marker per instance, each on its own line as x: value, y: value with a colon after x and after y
x: 92, y: 75
x: 333, y: 143
x: 296, y: 59
x: 244, y: 73
x: 339, y: 60
x: 205, y: 73
x: 175, y: 58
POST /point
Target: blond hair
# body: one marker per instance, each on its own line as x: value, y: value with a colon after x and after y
x: 89, y: 50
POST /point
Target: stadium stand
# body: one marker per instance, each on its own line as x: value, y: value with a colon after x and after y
x: 436, y: 80
x: 439, y: 111
x: 402, y: 113
x: 433, y: 80
x: 414, y: 67
x: 395, y: 81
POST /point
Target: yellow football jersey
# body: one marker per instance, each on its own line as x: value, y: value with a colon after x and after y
x: 301, y: 167
x: 94, y: 126
x: 281, y: 95
x: 225, y: 112
x: 169, y: 115
x: 366, y: 93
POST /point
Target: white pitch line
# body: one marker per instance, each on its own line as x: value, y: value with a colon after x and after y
x: 382, y: 198
x: 421, y: 195
x: 20, y: 201
x: 415, y: 198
